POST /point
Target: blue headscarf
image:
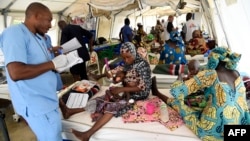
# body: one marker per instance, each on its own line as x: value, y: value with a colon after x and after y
x: 225, y: 55
x: 175, y: 36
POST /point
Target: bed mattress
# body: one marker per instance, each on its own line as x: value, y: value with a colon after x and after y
x: 117, y: 130
x: 4, y: 91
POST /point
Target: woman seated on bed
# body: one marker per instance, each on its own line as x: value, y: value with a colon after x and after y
x: 137, y: 69
x: 174, y: 50
x: 196, y: 45
x: 224, y: 92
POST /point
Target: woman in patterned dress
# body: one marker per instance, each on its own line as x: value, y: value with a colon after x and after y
x: 138, y: 70
x: 174, y: 50
x: 224, y: 92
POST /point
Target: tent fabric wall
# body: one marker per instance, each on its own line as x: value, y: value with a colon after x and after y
x: 237, y: 32
x: 110, y: 5
x: 158, y: 3
x: 104, y: 27
x: 80, y: 8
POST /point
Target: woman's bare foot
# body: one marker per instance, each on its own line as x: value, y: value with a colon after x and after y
x: 154, y: 87
x: 83, y: 136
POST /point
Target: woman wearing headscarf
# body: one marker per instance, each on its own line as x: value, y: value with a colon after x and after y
x: 137, y: 70
x: 224, y: 92
x: 174, y: 50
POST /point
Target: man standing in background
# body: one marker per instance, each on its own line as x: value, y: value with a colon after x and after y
x: 169, y: 27
x: 70, y: 31
x: 126, y: 33
x: 189, y: 27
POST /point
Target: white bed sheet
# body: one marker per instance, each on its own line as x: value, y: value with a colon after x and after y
x: 163, y: 78
x: 116, y: 130
x: 4, y: 91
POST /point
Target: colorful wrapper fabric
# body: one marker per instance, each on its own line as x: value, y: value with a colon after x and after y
x: 225, y: 55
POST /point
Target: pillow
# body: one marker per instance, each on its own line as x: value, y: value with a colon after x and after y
x: 170, y: 69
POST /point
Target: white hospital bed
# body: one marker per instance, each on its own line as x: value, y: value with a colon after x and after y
x: 116, y: 130
x: 4, y: 92
x: 163, y: 80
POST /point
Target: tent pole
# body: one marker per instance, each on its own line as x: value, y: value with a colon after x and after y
x: 223, y: 27
x: 5, y: 11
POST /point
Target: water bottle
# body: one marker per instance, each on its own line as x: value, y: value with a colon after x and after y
x: 206, y: 57
x: 164, y: 112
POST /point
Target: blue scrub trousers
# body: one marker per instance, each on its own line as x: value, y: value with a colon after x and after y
x: 46, y: 127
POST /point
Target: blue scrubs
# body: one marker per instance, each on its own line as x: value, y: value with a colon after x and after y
x: 34, y: 99
x: 58, y: 76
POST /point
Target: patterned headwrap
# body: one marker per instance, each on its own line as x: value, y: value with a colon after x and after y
x: 175, y: 36
x: 128, y: 47
x: 141, y: 66
x: 225, y: 55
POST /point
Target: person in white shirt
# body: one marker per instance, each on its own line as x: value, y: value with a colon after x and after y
x: 189, y: 27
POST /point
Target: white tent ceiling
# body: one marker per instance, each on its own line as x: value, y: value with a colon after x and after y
x: 103, y: 7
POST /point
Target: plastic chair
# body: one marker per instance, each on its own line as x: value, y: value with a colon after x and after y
x: 93, y: 65
x: 104, y: 66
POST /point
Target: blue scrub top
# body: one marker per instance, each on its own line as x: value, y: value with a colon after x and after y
x: 30, y: 96
x: 59, y: 85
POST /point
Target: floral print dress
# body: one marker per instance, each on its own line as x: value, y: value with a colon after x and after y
x: 174, y: 55
x: 225, y: 105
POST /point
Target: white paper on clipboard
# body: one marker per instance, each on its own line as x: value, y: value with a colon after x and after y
x: 71, y: 45
x: 77, y: 100
x: 73, y: 59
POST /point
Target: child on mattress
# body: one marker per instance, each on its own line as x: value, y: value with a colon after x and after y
x: 224, y: 92
x: 118, y: 81
x: 109, y: 97
x: 195, y: 100
x: 137, y: 70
